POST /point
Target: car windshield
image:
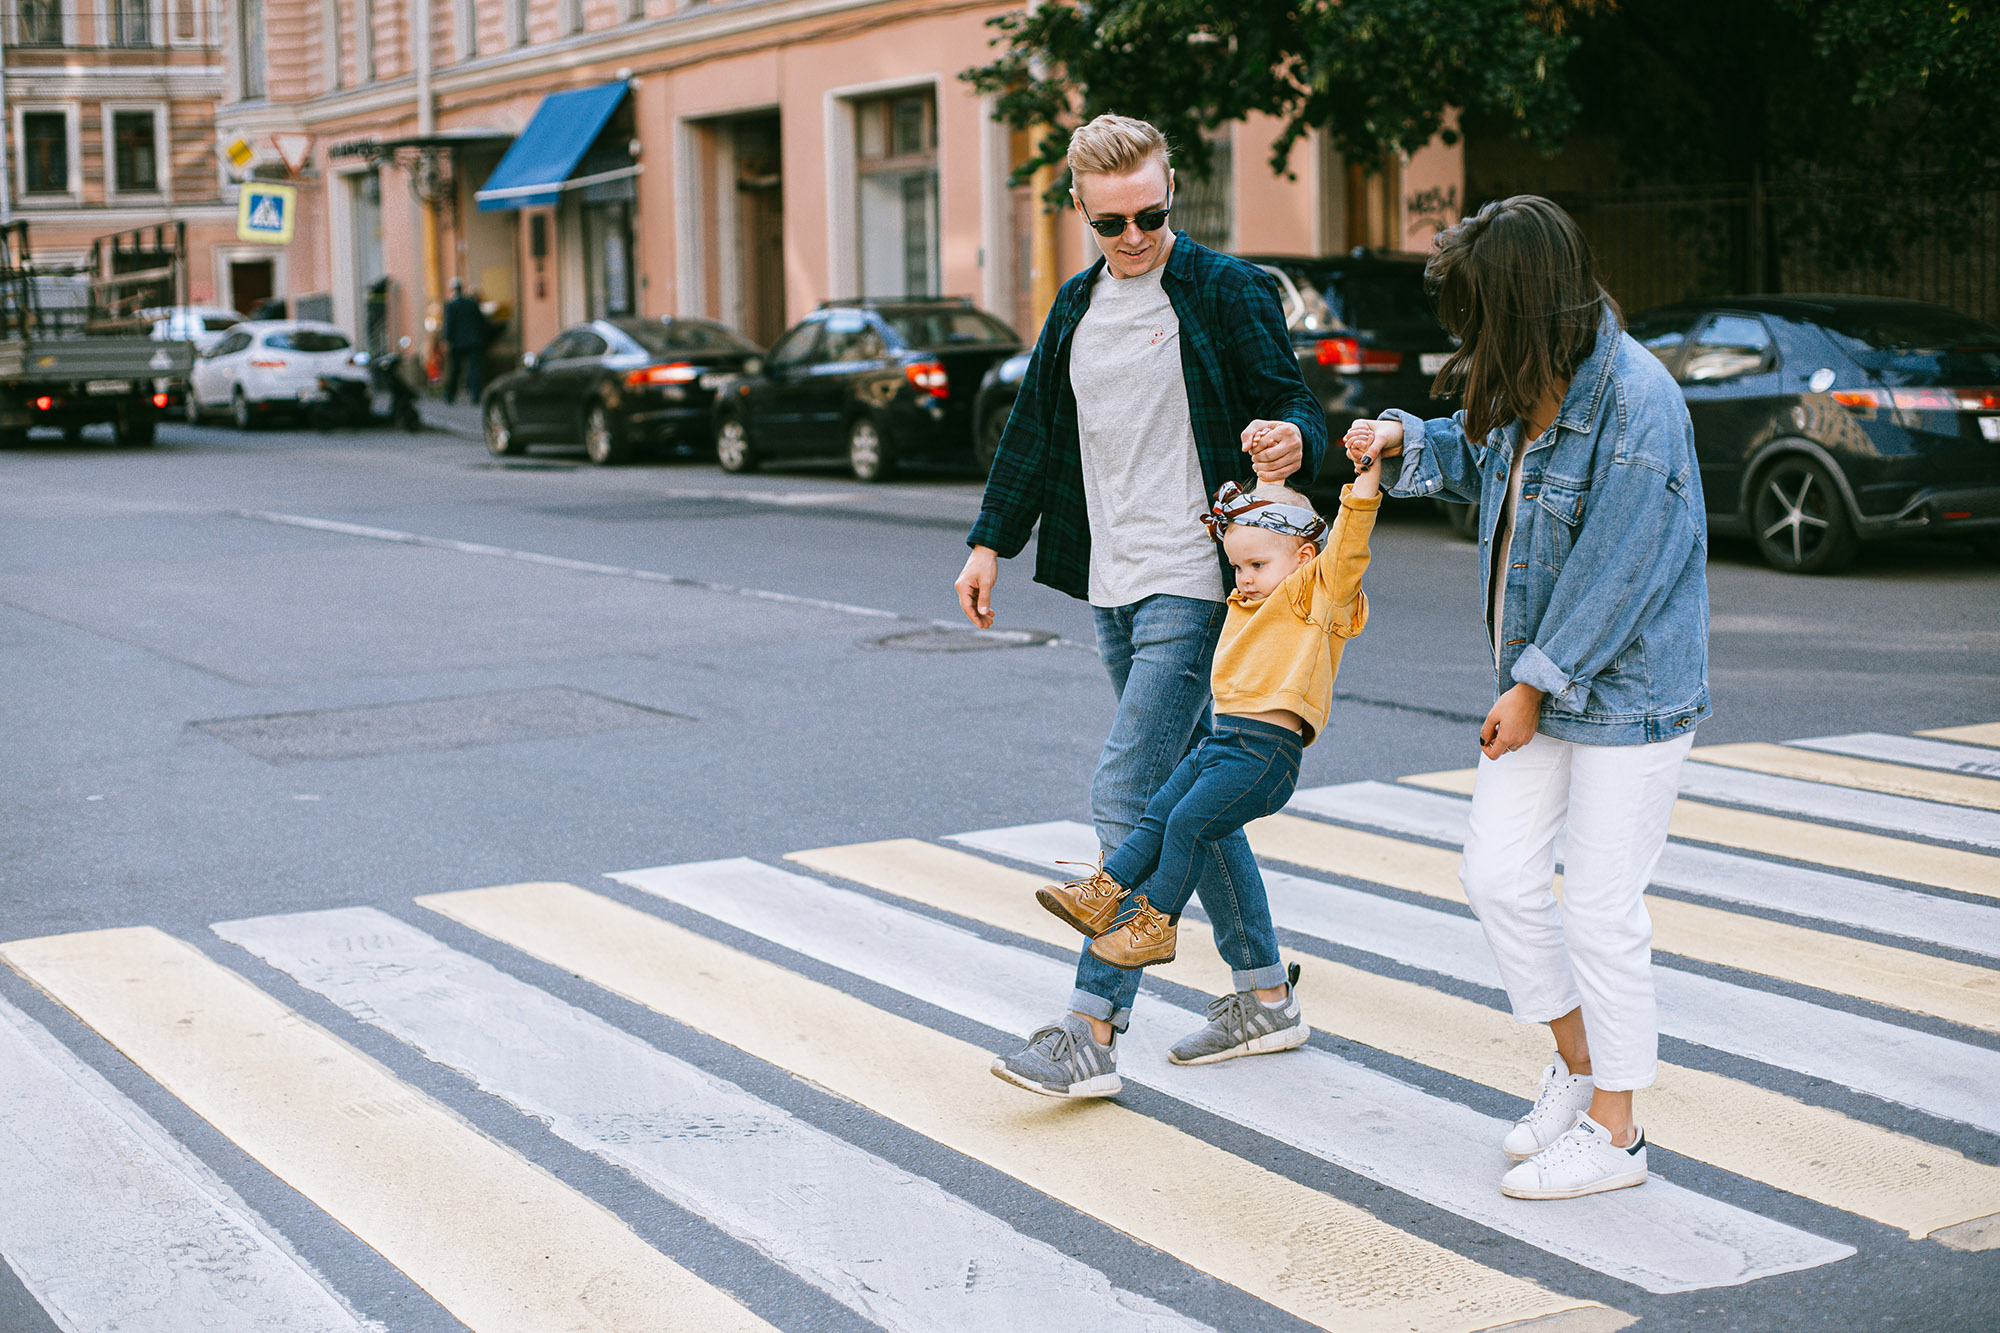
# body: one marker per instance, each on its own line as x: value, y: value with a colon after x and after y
x: 668, y: 337
x: 932, y: 329
x: 307, y: 340
x: 218, y: 323
x: 1918, y: 345
x: 1382, y: 298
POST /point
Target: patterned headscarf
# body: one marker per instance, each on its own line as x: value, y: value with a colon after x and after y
x: 1233, y: 506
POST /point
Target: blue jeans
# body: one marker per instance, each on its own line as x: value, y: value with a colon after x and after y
x: 1245, y: 769
x: 1158, y: 652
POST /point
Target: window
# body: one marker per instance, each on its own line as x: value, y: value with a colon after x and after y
x: 797, y: 347
x: 129, y: 23
x: 135, y: 151
x: 1730, y: 345
x: 896, y: 162
x: 307, y: 340
x: 41, y: 23
x: 230, y: 346
x: 45, y: 152
x: 250, y: 46
x: 665, y: 337
x: 186, y: 20
x: 1663, y: 334
x: 851, y: 337
x: 934, y: 330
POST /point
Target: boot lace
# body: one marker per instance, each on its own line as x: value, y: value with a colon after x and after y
x: 1231, y: 1014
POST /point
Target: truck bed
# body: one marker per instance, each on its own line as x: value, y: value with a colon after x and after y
x: 64, y: 360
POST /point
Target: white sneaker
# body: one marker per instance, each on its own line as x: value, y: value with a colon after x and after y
x: 1564, y: 1097
x: 1583, y: 1161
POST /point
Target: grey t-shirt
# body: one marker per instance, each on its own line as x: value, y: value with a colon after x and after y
x: 1142, y: 483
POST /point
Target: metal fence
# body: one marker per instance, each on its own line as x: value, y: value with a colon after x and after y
x: 1658, y: 246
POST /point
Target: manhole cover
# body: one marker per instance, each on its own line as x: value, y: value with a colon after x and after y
x: 964, y: 640
x: 432, y: 724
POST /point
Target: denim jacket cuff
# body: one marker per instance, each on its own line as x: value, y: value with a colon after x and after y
x: 1533, y: 667
x: 1403, y: 475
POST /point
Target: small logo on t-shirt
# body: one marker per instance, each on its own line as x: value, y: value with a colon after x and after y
x: 1157, y: 336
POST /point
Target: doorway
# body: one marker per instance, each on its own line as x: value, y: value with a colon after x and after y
x: 251, y: 283
x: 742, y: 224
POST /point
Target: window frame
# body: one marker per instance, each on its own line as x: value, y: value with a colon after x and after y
x: 72, y: 112
x: 241, y: 65
x: 106, y: 16
x: 161, y: 190
x: 924, y: 165
x: 1692, y: 348
x: 65, y: 25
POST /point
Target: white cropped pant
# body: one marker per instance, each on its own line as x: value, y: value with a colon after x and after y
x: 1594, y: 949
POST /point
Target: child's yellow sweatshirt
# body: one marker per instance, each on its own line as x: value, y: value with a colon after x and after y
x: 1284, y: 651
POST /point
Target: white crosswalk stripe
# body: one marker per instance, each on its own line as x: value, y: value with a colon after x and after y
x: 111, y: 1223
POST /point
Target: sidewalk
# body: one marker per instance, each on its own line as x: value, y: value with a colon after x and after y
x: 460, y: 418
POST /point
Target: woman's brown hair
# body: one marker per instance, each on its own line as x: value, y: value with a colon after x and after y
x: 1516, y: 285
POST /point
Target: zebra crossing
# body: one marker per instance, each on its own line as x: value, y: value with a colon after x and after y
x: 1829, y: 987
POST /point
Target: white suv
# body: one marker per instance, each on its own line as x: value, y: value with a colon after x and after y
x: 271, y: 365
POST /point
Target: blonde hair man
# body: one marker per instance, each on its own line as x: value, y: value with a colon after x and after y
x: 1162, y: 371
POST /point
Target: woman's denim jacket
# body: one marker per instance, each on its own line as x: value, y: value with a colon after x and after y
x: 1607, y: 597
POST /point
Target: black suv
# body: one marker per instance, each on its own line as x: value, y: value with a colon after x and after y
x: 876, y: 382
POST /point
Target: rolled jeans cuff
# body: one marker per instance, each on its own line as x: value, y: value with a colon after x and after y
x: 1097, y: 1007
x: 1258, y: 978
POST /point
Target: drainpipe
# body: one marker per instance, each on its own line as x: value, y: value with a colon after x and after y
x: 1042, y: 242
x: 426, y: 126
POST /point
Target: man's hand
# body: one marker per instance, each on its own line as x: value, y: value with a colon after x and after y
x: 1368, y: 441
x: 975, y: 585
x: 1512, y: 722
x: 1275, y: 449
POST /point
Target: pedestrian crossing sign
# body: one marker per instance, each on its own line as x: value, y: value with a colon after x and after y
x: 264, y: 213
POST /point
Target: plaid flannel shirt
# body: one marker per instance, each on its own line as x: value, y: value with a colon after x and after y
x: 1238, y: 364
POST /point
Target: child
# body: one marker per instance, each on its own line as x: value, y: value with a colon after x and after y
x: 1294, y: 608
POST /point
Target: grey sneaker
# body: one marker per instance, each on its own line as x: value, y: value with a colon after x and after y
x: 1063, y: 1060
x: 1241, y: 1024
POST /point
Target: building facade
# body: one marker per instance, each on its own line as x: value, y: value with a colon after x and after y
x: 107, y: 123
x: 744, y: 160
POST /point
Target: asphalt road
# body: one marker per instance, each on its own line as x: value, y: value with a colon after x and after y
x: 604, y: 669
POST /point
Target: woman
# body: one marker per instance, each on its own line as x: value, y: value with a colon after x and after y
x: 1576, y: 446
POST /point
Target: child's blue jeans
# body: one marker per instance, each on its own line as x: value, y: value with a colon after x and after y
x: 1243, y: 770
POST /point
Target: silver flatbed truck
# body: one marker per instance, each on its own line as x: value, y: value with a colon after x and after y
x: 75, y: 349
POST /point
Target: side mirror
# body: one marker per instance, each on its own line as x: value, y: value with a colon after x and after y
x: 529, y: 360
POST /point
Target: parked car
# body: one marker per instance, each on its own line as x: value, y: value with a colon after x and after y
x: 1821, y: 422
x: 997, y: 392
x: 202, y: 325
x: 620, y: 386
x: 876, y: 382
x: 262, y: 368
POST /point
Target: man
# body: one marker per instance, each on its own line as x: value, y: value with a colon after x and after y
x: 465, y: 344
x: 1159, y: 369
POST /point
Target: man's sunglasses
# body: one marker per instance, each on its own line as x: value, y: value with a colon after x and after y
x: 1151, y: 220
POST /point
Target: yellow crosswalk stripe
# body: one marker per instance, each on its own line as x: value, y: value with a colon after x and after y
x: 1305, y: 1252
x: 1900, y: 978
x: 1842, y: 770
x: 1986, y: 733
x: 1802, y: 840
x: 499, y: 1242
x: 1806, y: 1150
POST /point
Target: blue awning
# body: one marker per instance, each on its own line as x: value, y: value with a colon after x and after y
x: 542, y: 163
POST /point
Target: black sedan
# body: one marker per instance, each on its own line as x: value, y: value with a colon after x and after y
x: 1824, y: 421
x: 876, y: 382
x: 619, y: 386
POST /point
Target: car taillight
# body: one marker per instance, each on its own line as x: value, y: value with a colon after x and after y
x: 1380, y: 363
x: 44, y: 403
x: 268, y: 365
x: 1340, y: 354
x: 674, y: 372
x: 1868, y: 402
x: 159, y: 400
x: 929, y: 377
x: 1978, y: 400
x: 1861, y: 402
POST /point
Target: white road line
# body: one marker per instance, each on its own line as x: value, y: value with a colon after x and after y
x: 898, y: 1249
x: 1666, y: 1239
x: 1820, y: 894
x: 1972, y: 760
x: 1846, y: 805
x: 110, y: 1223
x: 1935, y: 1075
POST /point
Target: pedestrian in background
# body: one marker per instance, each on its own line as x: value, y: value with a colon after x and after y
x: 465, y: 337
x: 1576, y: 445
x: 1162, y: 371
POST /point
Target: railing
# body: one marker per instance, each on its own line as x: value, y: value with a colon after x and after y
x: 123, y: 276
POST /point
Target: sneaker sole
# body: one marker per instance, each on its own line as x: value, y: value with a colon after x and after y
x: 1285, y: 1039
x: 1104, y: 1085
x: 1062, y: 914
x: 1604, y: 1186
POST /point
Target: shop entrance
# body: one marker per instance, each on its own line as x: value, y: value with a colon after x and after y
x: 251, y: 283
x: 742, y: 237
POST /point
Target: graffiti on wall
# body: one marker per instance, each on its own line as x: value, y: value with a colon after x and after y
x: 1428, y: 212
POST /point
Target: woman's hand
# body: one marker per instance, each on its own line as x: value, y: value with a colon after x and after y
x: 1512, y: 722
x: 1367, y: 441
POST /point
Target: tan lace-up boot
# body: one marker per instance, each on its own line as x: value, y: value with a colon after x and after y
x: 1142, y: 939
x: 1090, y: 904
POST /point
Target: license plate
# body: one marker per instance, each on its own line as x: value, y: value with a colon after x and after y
x: 1990, y: 428
x: 108, y: 386
x: 1432, y: 362
x: 712, y: 380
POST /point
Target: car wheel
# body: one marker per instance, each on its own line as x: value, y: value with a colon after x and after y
x: 239, y: 411
x: 1799, y: 519
x: 986, y: 443
x: 732, y: 447
x: 500, y: 441
x: 600, y: 438
x: 868, y: 453
x: 1464, y: 519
